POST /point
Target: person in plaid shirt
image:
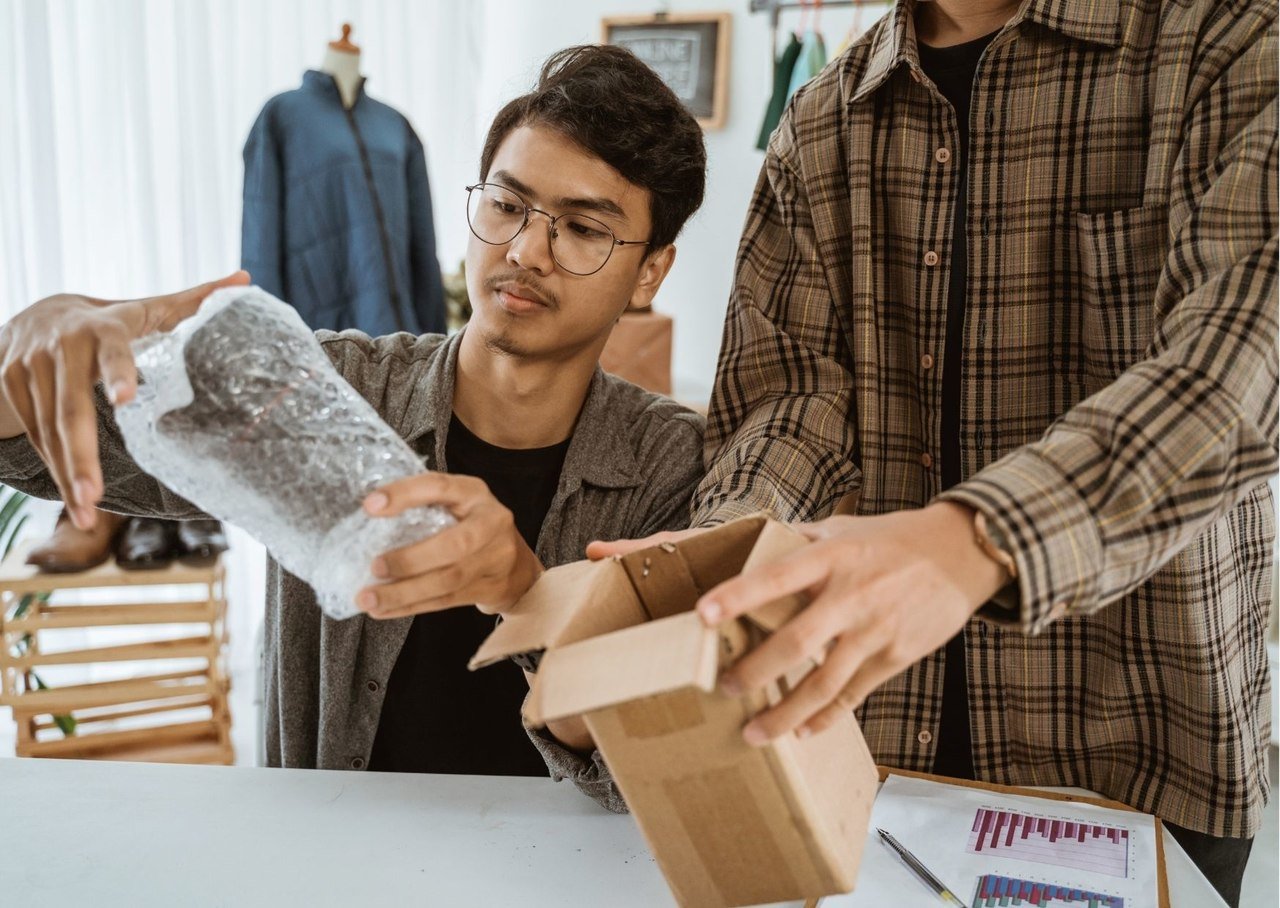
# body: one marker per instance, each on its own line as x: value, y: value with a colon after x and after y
x: 1007, y: 295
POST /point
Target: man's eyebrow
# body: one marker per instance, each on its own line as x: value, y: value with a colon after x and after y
x: 603, y: 205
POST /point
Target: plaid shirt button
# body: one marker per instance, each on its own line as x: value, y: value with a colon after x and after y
x: 926, y: 460
x: 943, y: 155
x: 931, y: 258
x: 926, y: 362
x: 925, y: 736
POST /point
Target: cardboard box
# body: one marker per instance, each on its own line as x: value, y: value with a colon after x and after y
x: 639, y: 350
x: 729, y: 824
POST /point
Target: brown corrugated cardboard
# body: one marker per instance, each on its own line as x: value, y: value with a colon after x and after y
x: 639, y: 350
x: 728, y: 823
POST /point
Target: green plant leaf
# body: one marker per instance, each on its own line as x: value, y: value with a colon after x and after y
x: 12, y: 505
x: 14, y: 536
x: 66, y: 724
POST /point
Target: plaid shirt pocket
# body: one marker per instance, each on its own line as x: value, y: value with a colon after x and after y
x: 1120, y: 255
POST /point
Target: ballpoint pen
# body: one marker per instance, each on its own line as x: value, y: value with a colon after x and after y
x: 921, y: 871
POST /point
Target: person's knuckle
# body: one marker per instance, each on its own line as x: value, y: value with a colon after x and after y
x: 13, y: 373
x: 793, y: 646
x: 396, y: 563
x: 35, y: 360
x: 444, y: 579
x: 847, y: 696
x: 473, y: 538
x: 71, y: 408
x: 826, y: 685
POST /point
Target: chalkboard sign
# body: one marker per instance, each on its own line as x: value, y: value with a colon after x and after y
x: 690, y: 51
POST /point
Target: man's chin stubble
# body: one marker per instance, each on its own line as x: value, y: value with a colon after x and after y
x: 501, y: 344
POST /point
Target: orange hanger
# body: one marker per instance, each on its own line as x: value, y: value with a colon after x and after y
x: 344, y: 43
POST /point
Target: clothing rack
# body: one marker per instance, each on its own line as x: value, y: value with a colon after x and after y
x: 775, y: 7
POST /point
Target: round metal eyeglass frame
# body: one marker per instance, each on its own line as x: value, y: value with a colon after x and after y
x: 551, y: 228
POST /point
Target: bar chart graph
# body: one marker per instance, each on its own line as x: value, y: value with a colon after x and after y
x: 994, y: 890
x: 1062, y: 843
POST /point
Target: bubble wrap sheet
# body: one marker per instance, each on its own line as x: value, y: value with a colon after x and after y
x: 241, y: 412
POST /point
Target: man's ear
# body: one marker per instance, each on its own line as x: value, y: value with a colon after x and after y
x: 653, y: 271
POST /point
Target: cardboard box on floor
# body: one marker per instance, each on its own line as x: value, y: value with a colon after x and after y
x: 729, y: 824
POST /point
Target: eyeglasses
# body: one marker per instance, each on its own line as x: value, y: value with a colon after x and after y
x: 580, y: 244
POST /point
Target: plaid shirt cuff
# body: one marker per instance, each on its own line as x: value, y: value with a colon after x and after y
x: 1049, y: 530
x: 711, y: 514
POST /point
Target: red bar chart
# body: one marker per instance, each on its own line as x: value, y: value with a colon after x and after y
x: 1045, y: 840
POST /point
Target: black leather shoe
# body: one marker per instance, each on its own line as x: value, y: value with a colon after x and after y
x: 72, y: 549
x: 146, y: 544
x: 200, y: 542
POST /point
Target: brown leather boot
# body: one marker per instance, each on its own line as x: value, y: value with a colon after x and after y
x: 71, y: 549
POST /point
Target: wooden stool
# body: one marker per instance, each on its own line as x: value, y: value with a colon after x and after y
x: 30, y: 619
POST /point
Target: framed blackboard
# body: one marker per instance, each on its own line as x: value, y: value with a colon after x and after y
x: 690, y: 51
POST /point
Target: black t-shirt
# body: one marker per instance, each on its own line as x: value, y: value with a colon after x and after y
x: 437, y: 716
x: 952, y: 69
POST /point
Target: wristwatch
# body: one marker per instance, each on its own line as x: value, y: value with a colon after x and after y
x: 993, y: 545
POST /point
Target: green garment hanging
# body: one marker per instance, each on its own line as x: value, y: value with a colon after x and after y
x: 778, y: 100
x: 813, y: 56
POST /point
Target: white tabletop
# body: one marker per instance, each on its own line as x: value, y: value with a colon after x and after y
x: 106, y: 834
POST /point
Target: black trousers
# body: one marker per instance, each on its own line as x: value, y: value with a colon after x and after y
x: 1221, y: 860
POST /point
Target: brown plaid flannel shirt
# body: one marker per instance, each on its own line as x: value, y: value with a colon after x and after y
x: 1119, y: 389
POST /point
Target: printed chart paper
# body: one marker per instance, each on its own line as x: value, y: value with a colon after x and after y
x: 994, y: 849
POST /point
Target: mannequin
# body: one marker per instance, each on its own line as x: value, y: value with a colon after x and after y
x: 342, y: 61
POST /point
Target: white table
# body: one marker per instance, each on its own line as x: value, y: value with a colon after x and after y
x: 108, y: 834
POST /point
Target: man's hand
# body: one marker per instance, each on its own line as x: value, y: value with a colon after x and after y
x: 884, y: 591
x: 53, y: 352
x: 481, y: 560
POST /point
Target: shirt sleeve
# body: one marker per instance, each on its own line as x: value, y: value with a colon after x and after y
x: 128, y: 489
x: 674, y: 452
x: 779, y: 436
x: 1128, y: 477
x: 588, y: 773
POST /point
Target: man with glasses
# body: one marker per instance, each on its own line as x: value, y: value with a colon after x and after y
x: 585, y: 183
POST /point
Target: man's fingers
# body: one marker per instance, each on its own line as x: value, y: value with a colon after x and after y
x: 450, y: 546
x: 44, y: 397
x: 426, y: 592
x: 824, y: 690
x: 457, y: 493
x: 874, y: 672
x: 77, y: 423
x: 600, y: 550
x: 184, y: 303
x: 800, y: 639
x: 19, y: 396
x: 818, y: 689
x: 795, y: 573
x: 118, y: 370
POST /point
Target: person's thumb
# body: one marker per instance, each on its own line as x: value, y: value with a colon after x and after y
x: 167, y: 310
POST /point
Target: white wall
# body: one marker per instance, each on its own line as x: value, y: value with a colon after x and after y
x: 518, y: 35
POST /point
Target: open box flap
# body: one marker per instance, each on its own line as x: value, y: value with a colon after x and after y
x: 642, y: 661
x: 707, y: 559
x: 567, y: 603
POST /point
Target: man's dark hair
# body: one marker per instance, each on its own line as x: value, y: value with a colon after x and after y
x: 618, y: 109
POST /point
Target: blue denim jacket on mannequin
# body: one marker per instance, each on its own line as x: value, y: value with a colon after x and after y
x: 337, y: 213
